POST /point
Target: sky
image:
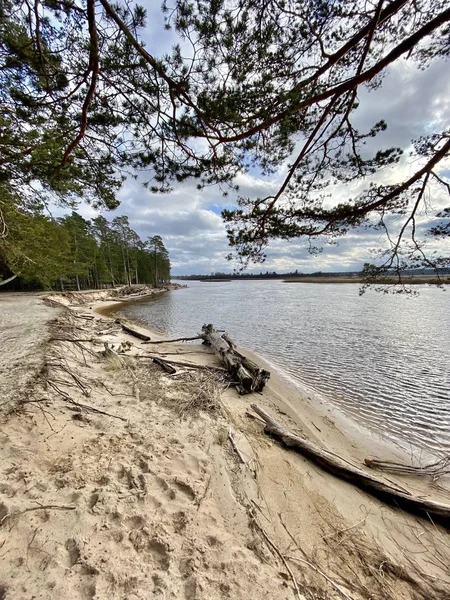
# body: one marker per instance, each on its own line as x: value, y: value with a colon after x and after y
x: 411, y: 101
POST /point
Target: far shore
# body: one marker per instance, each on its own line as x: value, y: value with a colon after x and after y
x: 406, y: 280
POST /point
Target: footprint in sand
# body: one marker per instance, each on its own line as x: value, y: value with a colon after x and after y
x: 158, y: 551
x: 135, y: 522
x: 73, y: 549
x: 185, y: 489
x: 7, y: 490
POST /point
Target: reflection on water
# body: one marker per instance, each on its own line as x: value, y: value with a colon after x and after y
x: 382, y: 359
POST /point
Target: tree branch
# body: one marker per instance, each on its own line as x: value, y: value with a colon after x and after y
x: 94, y: 68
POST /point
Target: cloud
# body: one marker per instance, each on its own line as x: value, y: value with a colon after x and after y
x: 413, y: 102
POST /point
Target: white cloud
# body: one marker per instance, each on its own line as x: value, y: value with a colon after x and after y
x: 413, y: 103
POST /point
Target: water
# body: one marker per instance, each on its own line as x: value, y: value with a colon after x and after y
x: 383, y: 360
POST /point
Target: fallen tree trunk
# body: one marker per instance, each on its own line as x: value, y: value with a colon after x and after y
x: 339, y: 467
x: 249, y: 376
x: 135, y: 333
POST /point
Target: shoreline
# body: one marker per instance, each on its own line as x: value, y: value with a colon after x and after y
x: 128, y: 481
x: 305, y: 404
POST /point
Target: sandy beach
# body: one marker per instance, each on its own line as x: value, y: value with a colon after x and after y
x: 120, y: 481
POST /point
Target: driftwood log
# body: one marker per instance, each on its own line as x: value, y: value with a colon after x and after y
x: 341, y: 468
x: 135, y: 333
x: 181, y: 339
x: 179, y: 363
x: 248, y: 376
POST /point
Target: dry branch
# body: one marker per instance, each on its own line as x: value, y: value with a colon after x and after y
x: 248, y: 375
x: 73, y: 340
x: 281, y: 557
x: 165, y: 366
x: 41, y: 507
x: 341, y: 468
x: 315, y: 568
x: 68, y: 399
x: 235, y: 446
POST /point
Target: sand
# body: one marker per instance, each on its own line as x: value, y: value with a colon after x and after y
x: 151, y: 500
x: 24, y: 330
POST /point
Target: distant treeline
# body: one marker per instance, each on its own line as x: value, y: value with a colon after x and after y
x: 295, y: 274
x: 266, y: 275
x: 73, y: 253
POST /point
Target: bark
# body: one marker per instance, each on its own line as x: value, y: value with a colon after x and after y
x: 341, y: 468
x: 251, y: 378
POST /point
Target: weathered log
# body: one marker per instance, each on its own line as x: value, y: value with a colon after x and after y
x: 182, y: 339
x: 135, y: 333
x: 341, y: 468
x: 179, y: 363
x: 251, y: 378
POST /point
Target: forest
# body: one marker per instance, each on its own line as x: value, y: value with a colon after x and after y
x: 73, y: 253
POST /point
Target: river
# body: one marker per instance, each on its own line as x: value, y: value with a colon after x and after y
x: 384, y: 360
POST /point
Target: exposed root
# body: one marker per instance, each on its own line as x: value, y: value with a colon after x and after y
x: 434, y: 470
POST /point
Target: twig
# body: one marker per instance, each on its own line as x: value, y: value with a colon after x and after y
x: 86, y: 390
x: 164, y: 366
x: 280, y: 555
x: 73, y: 340
x: 317, y: 570
x: 235, y: 446
x: 67, y: 398
x: 41, y: 507
x: 339, y: 531
x: 203, y: 496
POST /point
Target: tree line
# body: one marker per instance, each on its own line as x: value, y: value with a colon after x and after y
x: 73, y: 253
